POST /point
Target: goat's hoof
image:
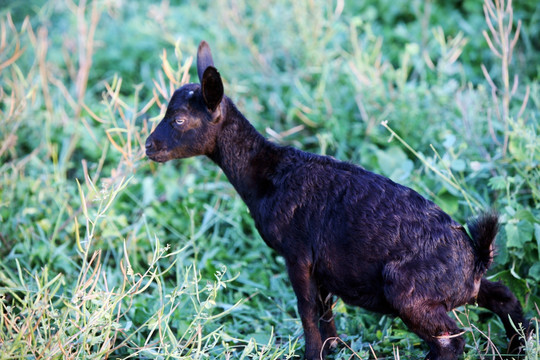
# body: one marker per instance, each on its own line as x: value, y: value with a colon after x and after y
x: 331, y: 343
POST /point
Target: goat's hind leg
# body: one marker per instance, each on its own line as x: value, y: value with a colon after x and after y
x: 436, y: 328
x: 499, y: 299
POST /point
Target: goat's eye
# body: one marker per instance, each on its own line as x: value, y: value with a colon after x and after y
x: 180, y: 121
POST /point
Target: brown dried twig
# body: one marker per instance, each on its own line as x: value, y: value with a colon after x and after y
x: 502, y: 39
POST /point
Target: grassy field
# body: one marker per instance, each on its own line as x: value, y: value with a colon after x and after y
x: 104, y: 254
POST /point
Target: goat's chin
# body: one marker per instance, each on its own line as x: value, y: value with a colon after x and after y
x: 159, y: 157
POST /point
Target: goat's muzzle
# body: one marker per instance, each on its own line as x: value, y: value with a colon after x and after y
x: 151, y: 151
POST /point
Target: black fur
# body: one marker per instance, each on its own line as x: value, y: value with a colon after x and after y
x: 483, y: 230
x: 342, y: 229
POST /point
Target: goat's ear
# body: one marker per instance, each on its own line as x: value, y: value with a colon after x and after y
x: 212, y: 89
x: 204, y: 59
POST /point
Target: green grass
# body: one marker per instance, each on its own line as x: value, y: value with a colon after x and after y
x: 105, y: 254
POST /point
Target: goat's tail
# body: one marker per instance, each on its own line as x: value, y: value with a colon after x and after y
x: 483, y: 230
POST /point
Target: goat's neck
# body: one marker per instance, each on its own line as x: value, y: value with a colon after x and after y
x: 245, y: 156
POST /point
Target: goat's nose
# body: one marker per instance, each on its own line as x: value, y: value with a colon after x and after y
x: 149, y: 143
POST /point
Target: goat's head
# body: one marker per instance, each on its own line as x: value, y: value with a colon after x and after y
x: 192, y: 120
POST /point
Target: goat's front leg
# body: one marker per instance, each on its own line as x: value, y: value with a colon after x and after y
x: 327, y: 327
x: 305, y: 288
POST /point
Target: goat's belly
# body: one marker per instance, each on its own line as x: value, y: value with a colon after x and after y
x: 373, y: 302
x: 358, y: 287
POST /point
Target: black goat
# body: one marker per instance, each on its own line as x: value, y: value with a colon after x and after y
x: 342, y: 230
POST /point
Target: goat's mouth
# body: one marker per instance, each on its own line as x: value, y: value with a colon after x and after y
x: 158, y: 156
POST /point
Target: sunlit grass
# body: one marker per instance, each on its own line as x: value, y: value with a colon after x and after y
x: 107, y: 255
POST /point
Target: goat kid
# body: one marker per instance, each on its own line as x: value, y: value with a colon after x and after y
x: 342, y: 230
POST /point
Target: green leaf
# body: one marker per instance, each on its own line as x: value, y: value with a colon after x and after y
x: 517, y: 234
x: 534, y: 272
x: 524, y: 214
x: 510, y: 211
x: 497, y: 183
x: 512, y: 236
x: 449, y: 141
x: 448, y: 202
x: 537, y: 236
x: 394, y: 163
x: 518, y: 148
x: 458, y: 165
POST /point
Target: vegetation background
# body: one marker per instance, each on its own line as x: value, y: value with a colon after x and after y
x: 107, y: 255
